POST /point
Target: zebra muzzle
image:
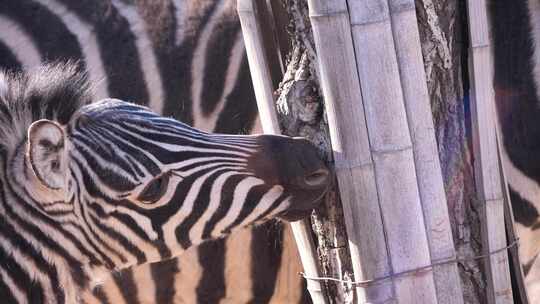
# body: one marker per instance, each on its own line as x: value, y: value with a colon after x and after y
x: 295, y: 164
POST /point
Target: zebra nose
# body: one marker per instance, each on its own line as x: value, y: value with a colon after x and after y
x: 293, y: 162
x: 313, y: 173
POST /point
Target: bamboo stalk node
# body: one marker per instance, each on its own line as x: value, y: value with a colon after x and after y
x: 401, y: 6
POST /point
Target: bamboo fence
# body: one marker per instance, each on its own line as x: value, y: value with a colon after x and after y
x: 386, y: 159
x: 426, y: 155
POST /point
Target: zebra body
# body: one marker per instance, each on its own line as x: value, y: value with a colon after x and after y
x: 90, y: 189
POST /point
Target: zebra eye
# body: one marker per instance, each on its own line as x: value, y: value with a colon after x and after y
x: 155, y: 189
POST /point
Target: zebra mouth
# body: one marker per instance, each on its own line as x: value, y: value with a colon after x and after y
x: 294, y: 215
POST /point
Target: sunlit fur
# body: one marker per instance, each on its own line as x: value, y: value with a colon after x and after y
x: 53, y: 243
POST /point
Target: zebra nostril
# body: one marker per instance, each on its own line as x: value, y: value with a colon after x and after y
x: 317, y: 178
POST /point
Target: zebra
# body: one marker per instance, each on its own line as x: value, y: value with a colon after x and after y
x: 516, y: 56
x: 184, y: 59
x: 93, y: 188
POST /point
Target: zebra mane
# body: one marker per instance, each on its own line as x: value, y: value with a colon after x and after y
x: 53, y: 91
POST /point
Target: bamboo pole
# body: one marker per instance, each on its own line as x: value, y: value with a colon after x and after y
x: 486, y: 165
x: 426, y: 156
x: 392, y: 150
x: 262, y: 84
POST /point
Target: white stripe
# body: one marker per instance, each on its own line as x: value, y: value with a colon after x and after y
x: 180, y: 15
x: 141, y: 220
x: 239, y: 199
x: 31, y: 269
x: 19, y: 42
x: 526, y: 187
x: 179, y: 148
x: 96, y: 233
x: 246, y: 144
x: 174, y: 182
x: 113, y: 224
x: 55, y: 235
x: 265, y: 203
x: 146, y: 287
x: 112, y: 291
x: 169, y: 228
x: 87, y: 40
x: 145, y: 51
x: 15, y: 291
x: 102, y: 163
x: 215, y: 199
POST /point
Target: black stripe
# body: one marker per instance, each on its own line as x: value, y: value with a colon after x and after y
x: 240, y: 110
x: 79, y: 277
x: 163, y: 155
x: 181, y: 140
x: 162, y: 214
x: 126, y: 283
x: 102, y: 244
x: 104, y: 147
x: 109, y: 177
x: 121, y: 240
x: 175, y: 65
x: 164, y: 274
x: 253, y: 198
x: 525, y: 212
x: 8, y: 61
x: 199, y: 207
x: 100, y: 294
x: 211, y: 287
x: 306, y: 298
x: 5, y: 293
x: 514, y: 84
x: 54, y: 41
x: 20, y: 277
x: 266, y: 252
x: 273, y: 207
x: 218, y: 53
x: 117, y: 48
x: 18, y: 241
x: 227, y: 196
x: 135, y: 153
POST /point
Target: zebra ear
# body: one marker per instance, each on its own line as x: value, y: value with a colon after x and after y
x: 46, y: 153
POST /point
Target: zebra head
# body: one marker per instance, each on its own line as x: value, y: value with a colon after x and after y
x: 112, y: 184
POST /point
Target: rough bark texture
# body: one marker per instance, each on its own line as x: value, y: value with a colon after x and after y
x: 443, y: 32
x: 300, y: 108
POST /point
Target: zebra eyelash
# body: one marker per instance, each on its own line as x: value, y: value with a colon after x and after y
x: 155, y: 189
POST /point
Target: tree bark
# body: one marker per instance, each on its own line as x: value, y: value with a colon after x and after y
x: 443, y: 31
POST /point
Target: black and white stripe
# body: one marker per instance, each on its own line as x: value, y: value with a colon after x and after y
x: 516, y: 53
x: 92, y: 188
x: 145, y: 53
